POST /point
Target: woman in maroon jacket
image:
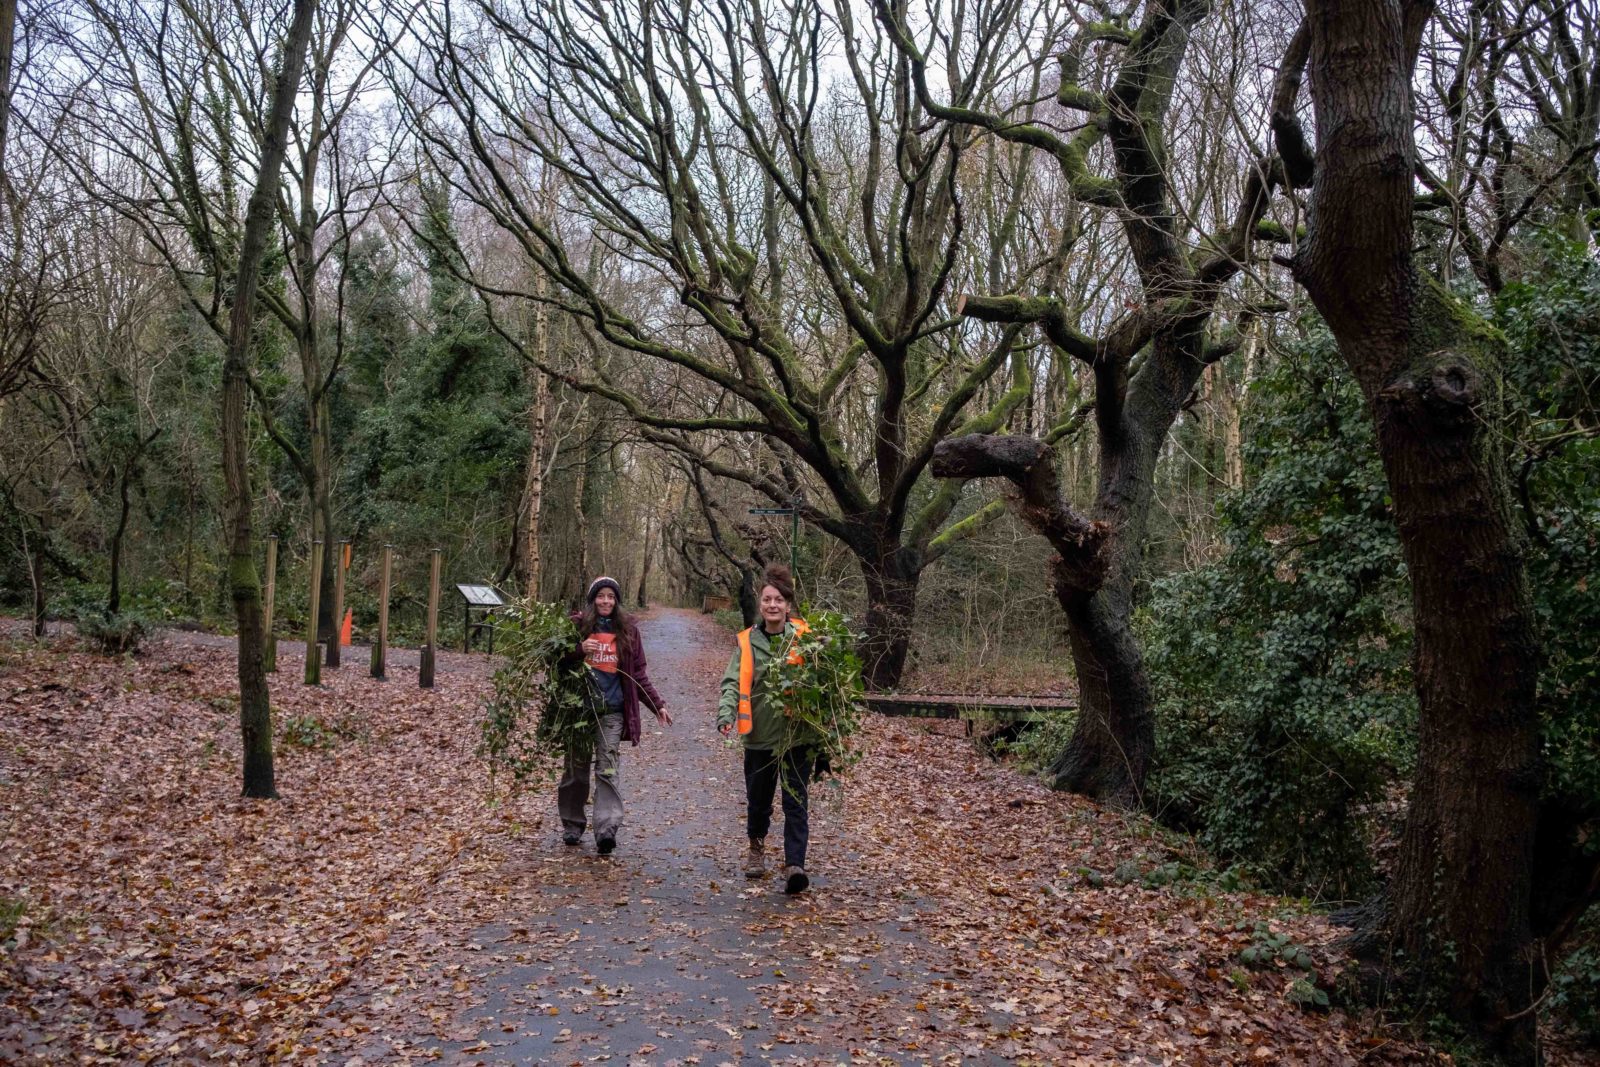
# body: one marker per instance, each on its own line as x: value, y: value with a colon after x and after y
x: 618, y: 674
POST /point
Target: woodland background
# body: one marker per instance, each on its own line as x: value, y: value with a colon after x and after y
x: 564, y: 289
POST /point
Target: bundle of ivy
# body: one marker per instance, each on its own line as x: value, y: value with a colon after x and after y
x: 816, y: 679
x: 541, y: 707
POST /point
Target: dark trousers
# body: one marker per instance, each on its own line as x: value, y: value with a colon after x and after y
x: 760, y: 781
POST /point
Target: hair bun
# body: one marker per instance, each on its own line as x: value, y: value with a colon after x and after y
x: 779, y: 577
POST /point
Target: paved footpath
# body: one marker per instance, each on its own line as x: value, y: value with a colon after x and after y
x: 662, y: 951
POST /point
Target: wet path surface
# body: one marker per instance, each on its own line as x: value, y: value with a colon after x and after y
x: 663, y: 950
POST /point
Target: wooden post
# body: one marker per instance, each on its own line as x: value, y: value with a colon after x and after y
x: 425, y: 675
x: 269, y: 639
x: 341, y: 563
x: 380, y: 647
x: 313, y: 654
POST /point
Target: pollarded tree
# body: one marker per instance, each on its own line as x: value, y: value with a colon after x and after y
x: 1145, y: 363
x: 759, y: 211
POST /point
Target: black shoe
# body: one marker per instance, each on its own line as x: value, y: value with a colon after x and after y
x: 571, y: 839
x: 795, y: 880
x: 606, y: 845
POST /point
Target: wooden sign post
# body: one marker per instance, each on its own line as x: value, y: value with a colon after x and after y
x: 269, y: 653
x: 341, y: 563
x: 313, y: 654
x: 380, y: 647
x: 425, y: 675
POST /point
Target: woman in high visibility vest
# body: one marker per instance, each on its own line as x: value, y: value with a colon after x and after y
x: 744, y: 712
x: 619, y: 679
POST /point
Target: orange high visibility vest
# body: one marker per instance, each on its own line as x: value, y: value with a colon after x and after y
x: 747, y: 672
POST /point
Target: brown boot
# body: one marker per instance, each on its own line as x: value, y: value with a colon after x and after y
x: 795, y: 880
x: 755, y: 864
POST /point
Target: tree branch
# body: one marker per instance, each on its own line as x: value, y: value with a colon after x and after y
x: 1029, y: 464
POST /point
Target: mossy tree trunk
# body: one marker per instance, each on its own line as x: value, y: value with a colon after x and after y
x: 891, y: 572
x: 255, y: 711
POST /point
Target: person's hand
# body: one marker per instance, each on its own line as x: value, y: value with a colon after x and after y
x: 664, y: 715
x: 724, y: 728
x: 591, y: 646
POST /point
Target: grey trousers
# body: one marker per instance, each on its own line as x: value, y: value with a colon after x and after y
x: 605, y: 761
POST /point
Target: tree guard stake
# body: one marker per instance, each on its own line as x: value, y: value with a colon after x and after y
x: 313, y: 656
x: 380, y: 647
x: 425, y: 675
x: 341, y: 564
x: 269, y: 640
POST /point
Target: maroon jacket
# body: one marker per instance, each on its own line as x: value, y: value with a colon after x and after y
x: 635, y: 674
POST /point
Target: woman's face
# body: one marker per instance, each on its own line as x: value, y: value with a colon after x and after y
x: 774, y: 608
x: 605, y: 602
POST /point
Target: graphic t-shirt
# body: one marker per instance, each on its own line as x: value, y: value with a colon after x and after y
x: 603, y: 665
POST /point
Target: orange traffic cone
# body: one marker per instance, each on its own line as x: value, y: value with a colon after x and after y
x: 344, y: 631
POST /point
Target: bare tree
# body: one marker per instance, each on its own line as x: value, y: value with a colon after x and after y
x: 772, y: 227
x: 743, y: 553
x: 171, y: 92
x: 33, y: 278
x: 255, y: 710
x: 99, y: 360
x: 1145, y: 364
x: 1508, y: 104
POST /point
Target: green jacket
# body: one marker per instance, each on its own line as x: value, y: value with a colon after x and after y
x: 766, y: 723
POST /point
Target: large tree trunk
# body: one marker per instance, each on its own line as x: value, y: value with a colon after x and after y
x: 891, y: 572
x: 255, y: 710
x: 749, y: 603
x: 1113, y: 741
x: 1114, y: 738
x: 1459, y: 901
x: 1457, y: 926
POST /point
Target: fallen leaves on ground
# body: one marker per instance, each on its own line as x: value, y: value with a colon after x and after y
x: 164, y: 916
x: 390, y: 908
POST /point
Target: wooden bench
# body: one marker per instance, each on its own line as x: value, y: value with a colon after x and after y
x: 715, y: 603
